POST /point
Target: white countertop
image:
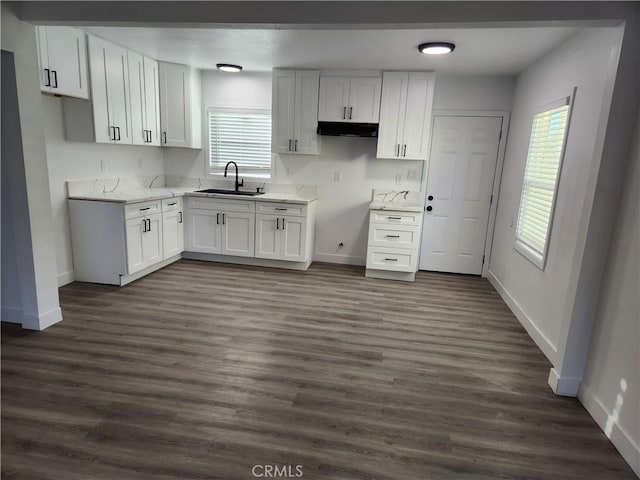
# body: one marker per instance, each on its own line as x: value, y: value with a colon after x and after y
x: 146, y: 194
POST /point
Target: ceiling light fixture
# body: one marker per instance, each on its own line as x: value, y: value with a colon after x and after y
x: 436, y: 48
x: 228, y: 67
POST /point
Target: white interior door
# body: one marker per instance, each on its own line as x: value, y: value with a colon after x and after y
x: 462, y: 167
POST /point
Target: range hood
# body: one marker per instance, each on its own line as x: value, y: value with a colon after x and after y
x: 348, y: 129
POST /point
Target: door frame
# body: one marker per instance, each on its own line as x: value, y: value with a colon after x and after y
x: 497, y: 178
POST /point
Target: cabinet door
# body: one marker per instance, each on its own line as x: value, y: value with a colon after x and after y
x: 202, y: 231
x: 392, y: 108
x: 267, y: 236
x: 175, y: 105
x: 152, y: 250
x: 364, y: 99
x: 43, y: 59
x: 238, y: 234
x: 137, y: 96
x: 134, y: 233
x: 67, y: 61
x: 417, y: 119
x: 97, y: 64
x: 152, y: 100
x: 293, y: 238
x: 172, y: 233
x: 333, y: 101
x: 117, y: 73
x: 306, y: 112
x: 283, y: 91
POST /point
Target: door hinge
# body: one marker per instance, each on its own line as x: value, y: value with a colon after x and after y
x: 483, y: 259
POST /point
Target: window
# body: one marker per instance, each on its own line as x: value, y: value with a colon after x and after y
x: 242, y: 136
x: 542, y: 171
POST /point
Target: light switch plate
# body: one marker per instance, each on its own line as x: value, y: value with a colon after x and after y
x: 412, y: 174
x: 337, y: 176
x: 103, y: 165
x: 398, y: 179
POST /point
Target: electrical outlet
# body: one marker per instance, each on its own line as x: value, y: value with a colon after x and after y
x: 103, y: 165
x: 398, y: 179
x: 140, y: 163
x: 412, y: 174
x: 337, y: 176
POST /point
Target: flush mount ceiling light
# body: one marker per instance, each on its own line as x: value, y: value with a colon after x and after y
x: 436, y: 48
x: 228, y: 67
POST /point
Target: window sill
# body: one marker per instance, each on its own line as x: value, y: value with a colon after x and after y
x: 530, y: 254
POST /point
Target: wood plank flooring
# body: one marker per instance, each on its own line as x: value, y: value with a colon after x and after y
x: 203, y: 370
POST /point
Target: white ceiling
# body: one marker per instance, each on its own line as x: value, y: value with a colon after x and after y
x: 479, y: 50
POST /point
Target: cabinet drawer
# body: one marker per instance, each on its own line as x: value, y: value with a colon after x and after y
x: 170, y: 204
x: 394, y: 259
x: 221, y: 204
x: 142, y: 209
x: 391, y: 217
x: 273, y: 208
x: 398, y: 236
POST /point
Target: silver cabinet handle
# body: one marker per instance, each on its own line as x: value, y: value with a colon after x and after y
x: 172, y: 204
x: 404, y: 150
x: 397, y: 150
x: 144, y: 209
x: 283, y: 224
x: 393, y: 236
x: 217, y: 218
x: 289, y: 147
x: 223, y: 218
x: 54, y: 82
x: 391, y: 259
x: 164, y: 134
x: 344, y: 113
x: 350, y: 113
x: 281, y: 209
x: 295, y: 145
x: 394, y: 218
x: 180, y: 221
x: 277, y: 223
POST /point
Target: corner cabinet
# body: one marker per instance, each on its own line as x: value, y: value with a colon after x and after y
x: 405, y: 115
x: 180, y: 106
x: 117, y: 243
x: 349, y: 99
x: 62, y: 58
x: 295, y: 111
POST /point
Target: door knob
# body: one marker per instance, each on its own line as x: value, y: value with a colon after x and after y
x: 430, y: 197
x: 429, y: 208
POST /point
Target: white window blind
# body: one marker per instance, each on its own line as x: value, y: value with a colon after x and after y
x: 241, y: 136
x: 542, y: 171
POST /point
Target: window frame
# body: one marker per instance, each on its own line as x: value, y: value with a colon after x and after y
x: 244, y: 172
x: 539, y: 259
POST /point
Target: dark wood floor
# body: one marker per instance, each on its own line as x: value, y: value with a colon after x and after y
x: 205, y: 370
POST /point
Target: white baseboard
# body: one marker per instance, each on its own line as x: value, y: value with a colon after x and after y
x: 40, y: 322
x: 65, y: 278
x: 534, y: 332
x: 563, y: 386
x: 339, y: 259
x: 608, y: 422
x: 12, y: 315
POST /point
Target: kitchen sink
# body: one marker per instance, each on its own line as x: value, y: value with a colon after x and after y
x: 229, y: 192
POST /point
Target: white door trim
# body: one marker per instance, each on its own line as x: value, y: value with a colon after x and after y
x: 505, y: 115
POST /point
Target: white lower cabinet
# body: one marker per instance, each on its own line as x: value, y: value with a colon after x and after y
x: 214, y: 226
x: 394, y: 240
x: 113, y: 243
x: 281, y: 237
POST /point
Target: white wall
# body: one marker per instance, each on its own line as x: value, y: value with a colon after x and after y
x: 82, y: 161
x: 539, y: 298
x: 34, y: 249
x: 611, y: 385
x: 343, y: 207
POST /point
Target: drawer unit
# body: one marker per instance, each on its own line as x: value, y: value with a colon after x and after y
x: 393, y: 259
x: 221, y: 204
x: 397, y: 218
x: 286, y: 209
x: 171, y: 204
x: 135, y: 210
x: 398, y: 236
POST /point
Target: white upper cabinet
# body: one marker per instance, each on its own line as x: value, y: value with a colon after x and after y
x: 405, y: 115
x: 295, y: 111
x: 62, y: 56
x: 109, y: 67
x: 180, y: 109
x: 349, y: 99
x: 145, y: 100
